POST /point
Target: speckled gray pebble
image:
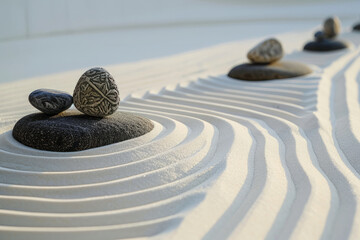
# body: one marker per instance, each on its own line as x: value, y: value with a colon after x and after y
x: 266, y: 52
x: 50, y: 101
x: 73, y: 131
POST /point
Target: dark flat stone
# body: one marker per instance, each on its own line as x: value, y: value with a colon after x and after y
x: 277, y: 70
x: 356, y: 27
x: 73, y: 131
x: 326, y: 45
x: 50, y: 101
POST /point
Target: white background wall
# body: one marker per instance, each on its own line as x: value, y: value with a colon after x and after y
x: 32, y: 18
x: 24, y: 18
x: 39, y: 37
x: 13, y: 19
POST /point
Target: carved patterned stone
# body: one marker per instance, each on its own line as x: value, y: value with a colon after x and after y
x: 50, y: 102
x: 96, y: 93
x: 332, y: 27
x: 266, y: 52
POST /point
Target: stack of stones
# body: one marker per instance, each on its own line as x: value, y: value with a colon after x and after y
x: 266, y: 65
x: 97, y: 96
x: 325, y: 40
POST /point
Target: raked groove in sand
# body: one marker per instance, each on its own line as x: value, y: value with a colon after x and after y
x: 226, y: 159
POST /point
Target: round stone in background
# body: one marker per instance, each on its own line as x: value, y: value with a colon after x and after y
x: 356, y: 27
x: 96, y: 93
x: 266, y: 52
x: 50, y: 101
x: 326, y: 45
x: 332, y: 27
x: 319, y: 36
x: 73, y: 131
x: 276, y: 70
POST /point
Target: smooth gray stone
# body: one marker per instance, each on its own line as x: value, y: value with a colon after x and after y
x: 266, y: 52
x: 74, y: 131
x: 50, y: 101
x: 96, y: 93
x: 276, y: 70
x: 332, y: 27
x: 326, y: 45
x: 356, y: 27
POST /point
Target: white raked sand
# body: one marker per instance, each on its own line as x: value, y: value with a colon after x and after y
x: 227, y: 159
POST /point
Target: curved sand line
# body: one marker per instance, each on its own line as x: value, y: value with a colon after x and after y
x: 243, y: 160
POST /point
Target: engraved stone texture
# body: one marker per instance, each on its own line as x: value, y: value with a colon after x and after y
x: 49, y: 101
x: 73, y: 131
x: 332, y: 27
x: 96, y: 93
x: 276, y: 70
x: 266, y: 52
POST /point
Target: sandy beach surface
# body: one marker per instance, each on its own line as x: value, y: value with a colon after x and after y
x: 227, y: 159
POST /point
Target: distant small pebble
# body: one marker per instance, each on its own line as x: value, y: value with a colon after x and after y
x: 266, y: 52
x: 326, y: 45
x: 276, y: 70
x: 319, y: 36
x: 332, y: 27
x: 50, y: 102
x: 356, y: 27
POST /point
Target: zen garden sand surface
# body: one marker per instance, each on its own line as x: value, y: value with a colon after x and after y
x: 221, y: 158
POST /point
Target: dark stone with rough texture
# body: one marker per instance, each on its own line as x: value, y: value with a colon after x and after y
x: 276, y: 70
x: 73, y: 131
x: 50, y: 101
x: 96, y: 93
x: 326, y: 45
x: 356, y: 27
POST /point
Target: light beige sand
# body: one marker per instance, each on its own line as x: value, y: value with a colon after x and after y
x: 244, y: 160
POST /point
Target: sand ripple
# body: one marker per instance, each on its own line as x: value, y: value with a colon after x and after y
x: 245, y: 160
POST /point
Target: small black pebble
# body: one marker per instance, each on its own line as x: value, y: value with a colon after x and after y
x: 50, y: 102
